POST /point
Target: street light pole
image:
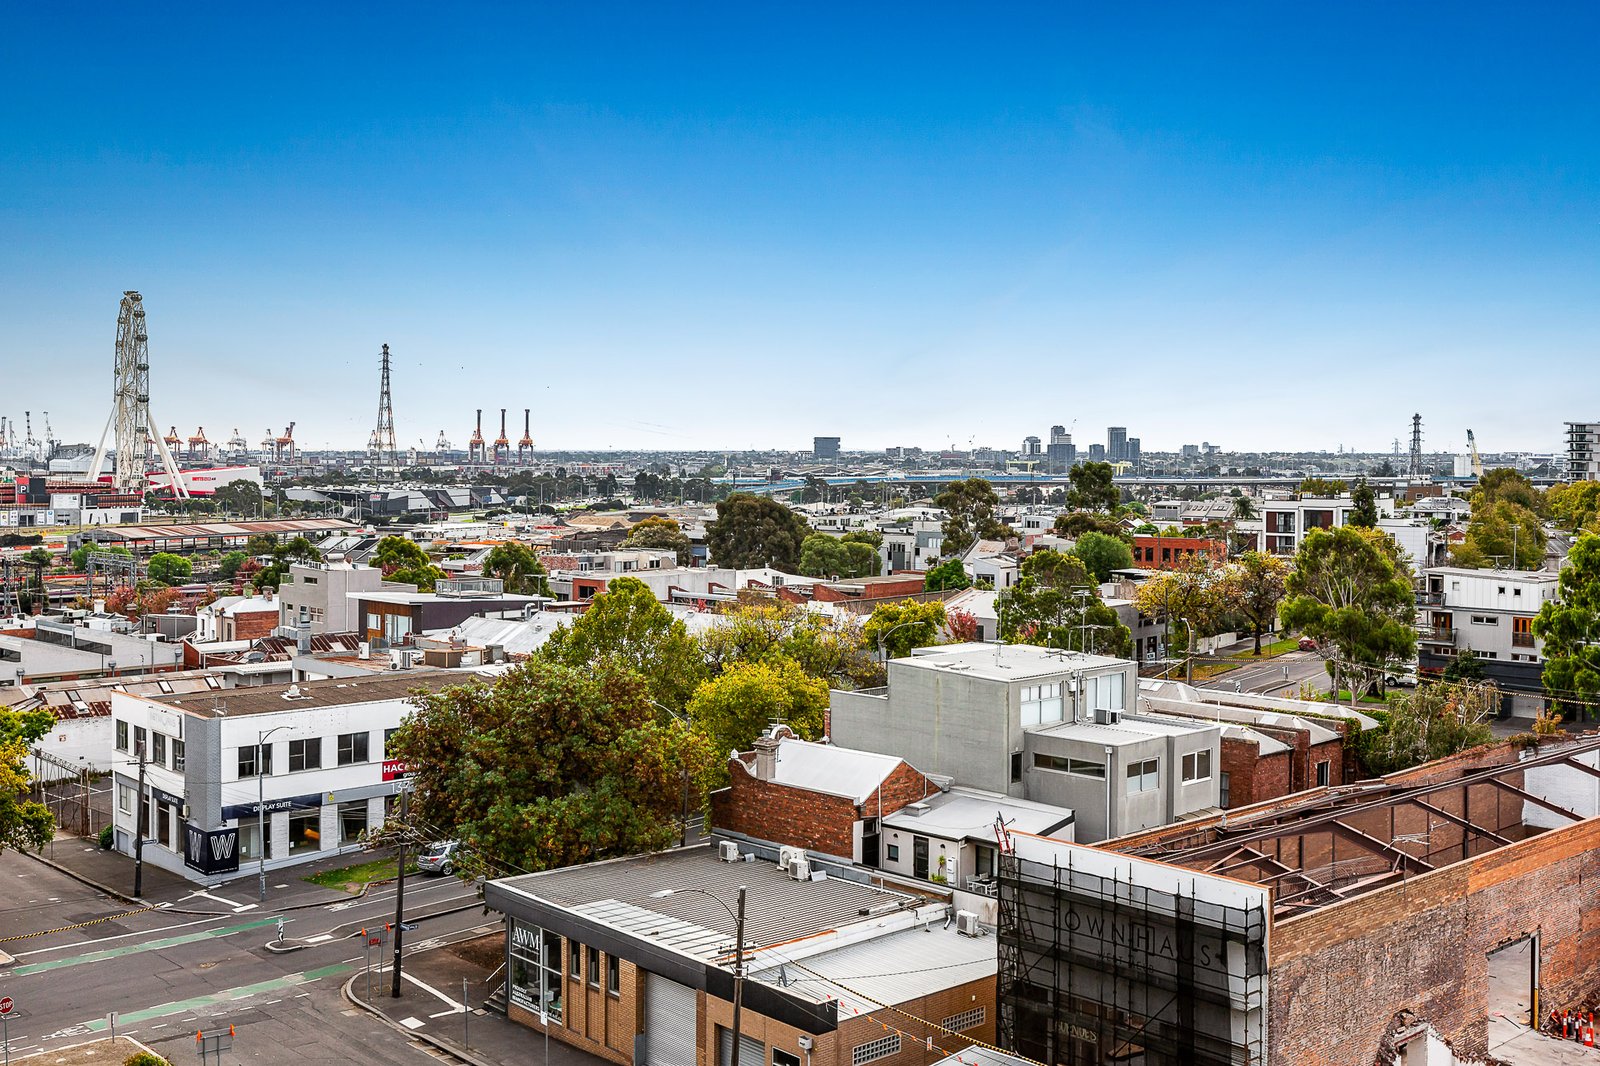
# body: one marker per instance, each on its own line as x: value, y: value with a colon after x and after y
x: 262, y: 760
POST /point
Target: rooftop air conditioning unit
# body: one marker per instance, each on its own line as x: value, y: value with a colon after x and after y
x: 364, y: 650
x: 788, y: 855
x: 1106, y: 716
x: 917, y: 809
x: 800, y: 869
x: 728, y: 851
x: 967, y: 924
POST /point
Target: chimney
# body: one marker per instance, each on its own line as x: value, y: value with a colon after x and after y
x: 766, y: 756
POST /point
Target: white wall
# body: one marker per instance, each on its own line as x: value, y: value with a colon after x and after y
x: 75, y: 739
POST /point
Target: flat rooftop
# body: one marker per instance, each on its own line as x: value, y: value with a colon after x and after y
x: 1004, y: 662
x: 1130, y: 729
x: 968, y: 813
x: 665, y: 898
x: 310, y: 695
x: 898, y: 968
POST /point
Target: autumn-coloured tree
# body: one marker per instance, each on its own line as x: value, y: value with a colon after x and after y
x: 1259, y: 582
x: 961, y: 625
x: 549, y: 766
x: 731, y: 710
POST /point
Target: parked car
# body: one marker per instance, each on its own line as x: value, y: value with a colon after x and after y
x: 1401, y: 680
x: 438, y: 858
x: 1307, y: 644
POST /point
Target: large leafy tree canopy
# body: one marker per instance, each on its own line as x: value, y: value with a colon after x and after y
x: 822, y: 555
x: 751, y: 532
x: 948, y: 575
x: 1260, y: 581
x: 732, y: 709
x: 1502, y: 532
x: 626, y: 625
x: 1352, y: 593
x: 1192, y: 593
x: 1507, y: 486
x: 402, y: 559
x: 1076, y: 523
x: 23, y: 823
x: 1102, y: 554
x: 1364, y: 513
x: 660, y: 533
x: 1569, y: 626
x: 1575, y: 506
x: 970, y: 516
x: 169, y: 569
x: 1429, y: 723
x: 550, y: 765
x: 517, y: 566
x: 1054, y: 605
x: 900, y: 628
x: 832, y: 648
x: 1092, y: 488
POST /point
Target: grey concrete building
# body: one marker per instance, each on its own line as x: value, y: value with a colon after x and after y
x: 317, y: 595
x: 1489, y: 613
x: 1041, y: 725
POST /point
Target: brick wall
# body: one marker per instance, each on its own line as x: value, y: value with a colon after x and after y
x: 802, y: 818
x: 1340, y: 974
x: 1252, y: 777
x: 249, y: 625
x: 600, y: 1022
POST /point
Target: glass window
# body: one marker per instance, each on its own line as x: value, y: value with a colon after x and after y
x: 1143, y: 776
x: 305, y: 754
x: 1016, y: 766
x: 1324, y: 773
x: 305, y: 831
x: 158, y: 748
x: 1081, y: 767
x: 352, y: 821
x: 122, y: 736
x: 141, y: 740
x: 594, y: 966
x: 575, y: 958
x: 535, y: 983
x: 1225, y: 798
x: 893, y: 853
x: 352, y: 748
x: 613, y: 975
x: 255, y: 760
x: 1197, y: 766
x: 125, y: 798
x: 387, y: 733
x: 249, y: 829
x: 177, y: 756
x: 1041, y: 704
x: 781, y: 1057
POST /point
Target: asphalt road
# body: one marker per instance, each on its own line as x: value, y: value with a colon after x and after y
x: 1267, y: 677
x: 200, y: 962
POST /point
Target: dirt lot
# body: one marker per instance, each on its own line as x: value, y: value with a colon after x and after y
x: 486, y: 951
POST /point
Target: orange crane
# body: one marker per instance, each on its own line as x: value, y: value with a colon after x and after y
x: 502, y: 444
x: 284, y: 445
x: 475, y: 445
x: 198, y: 445
x: 525, y: 445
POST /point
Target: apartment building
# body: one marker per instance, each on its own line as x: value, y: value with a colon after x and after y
x: 1286, y: 522
x: 286, y: 771
x: 1583, y: 451
x: 1037, y: 724
x: 318, y: 596
x: 1489, y: 613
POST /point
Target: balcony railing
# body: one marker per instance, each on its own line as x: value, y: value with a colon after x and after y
x: 983, y: 886
x: 1430, y: 599
x: 1522, y: 640
x: 1436, y: 635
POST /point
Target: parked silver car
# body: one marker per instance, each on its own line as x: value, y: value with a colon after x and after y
x: 438, y: 858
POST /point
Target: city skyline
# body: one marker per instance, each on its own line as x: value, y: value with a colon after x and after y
x: 676, y: 230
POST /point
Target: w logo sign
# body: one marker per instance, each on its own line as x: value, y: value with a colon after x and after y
x: 216, y: 852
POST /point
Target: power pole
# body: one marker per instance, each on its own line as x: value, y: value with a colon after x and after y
x: 400, y: 897
x: 738, y: 973
x: 138, y: 831
x: 383, y: 446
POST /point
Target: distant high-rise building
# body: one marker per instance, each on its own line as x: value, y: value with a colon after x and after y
x: 1583, y: 451
x: 1060, y: 454
x: 1097, y: 453
x: 1132, y: 453
x: 824, y: 447
x: 1030, y: 448
x: 1117, y: 442
x: 1191, y: 451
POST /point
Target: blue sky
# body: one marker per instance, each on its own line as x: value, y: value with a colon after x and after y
x: 739, y: 226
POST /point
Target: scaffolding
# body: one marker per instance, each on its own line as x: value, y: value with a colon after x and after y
x: 1098, y: 970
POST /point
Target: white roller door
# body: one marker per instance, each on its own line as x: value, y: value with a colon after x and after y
x: 752, y: 1052
x: 671, y: 1014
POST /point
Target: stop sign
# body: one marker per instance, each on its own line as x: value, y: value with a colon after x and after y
x: 7, y: 1005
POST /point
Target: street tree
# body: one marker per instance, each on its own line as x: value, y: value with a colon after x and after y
x: 1502, y: 531
x: 1055, y: 605
x: 518, y: 568
x: 949, y: 575
x: 24, y: 824
x: 894, y: 630
x: 1075, y: 524
x: 1351, y: 592
x: 1364, y: 512
x: 1102, y: 554
x: 832, y: 648
x: 732, y: 709
x: 660, y: 533
x: 231, y: 563
x: 169, y: 569
x: 1569, y: 626
x: 1505, y: 485
x: 823, y: 555
x: 627, y: 625
x: 550, y: 765
x: 1259, y: 582
x: 1193, y: 593
x: 970, y: 515
x: 751, y: 532
x: 80, y: 555
x: 1092, y: 488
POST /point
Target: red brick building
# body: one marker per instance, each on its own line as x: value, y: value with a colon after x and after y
x: 815, y: 796
x: 1153, y: 551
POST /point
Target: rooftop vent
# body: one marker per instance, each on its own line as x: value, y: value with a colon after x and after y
x: 293, y: 693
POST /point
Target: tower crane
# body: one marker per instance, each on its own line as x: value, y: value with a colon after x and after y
x: 1477, y: 463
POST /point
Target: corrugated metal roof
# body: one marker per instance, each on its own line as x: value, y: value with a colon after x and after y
x: 698, y: 911
x: 891, y: 969
x: 834, y: 771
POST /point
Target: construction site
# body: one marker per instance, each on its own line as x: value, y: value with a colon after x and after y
x: 1425, y: 917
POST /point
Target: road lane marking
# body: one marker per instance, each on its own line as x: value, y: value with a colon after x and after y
x: 134, y: 949
x: 228, y: 995
x: 122, y: 936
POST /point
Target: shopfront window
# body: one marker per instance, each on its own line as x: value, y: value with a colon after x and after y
x: 536, y: 970
x: 305, y: 831
x: 249, y: 838
x: 352, y: 821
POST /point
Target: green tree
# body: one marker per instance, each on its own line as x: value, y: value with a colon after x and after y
x: 1244, y: 508
x: 238, y: 498
x: 23, y: 823
x: 401, y: 559
x: 822, y: 555
x: 1053, y: 605
x: 80, y: 554
x: 1574, y: 506
x: 751, y: 532
x: 1364, y: 513
x: 1428, y: 723
x: 660, y: 533
x: 1075, y: 524
x: 1569, y: 626
x: 735, y: 707
x: 1464, y: 667
x: 869, y: 537
x: 518, y: 568
x: 950, y: 574
x: 1507, y: 486
x: 549, y: 766
x: 1092, y: 488
x: 627, y: 625
x: 169, y: 569
x: 832, y: 648
x: 970, y: 516
x: 1352, y: 593
x: 897, y: 629
x: 1102, y: 554
x: 230, y: 563
x: 1321, y: 486
x: 1504, y: 530
x: 1259, y: 581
